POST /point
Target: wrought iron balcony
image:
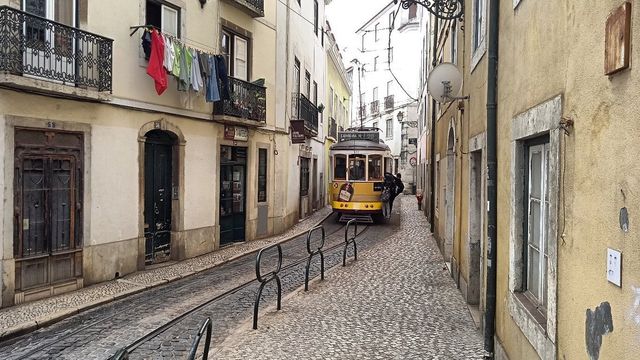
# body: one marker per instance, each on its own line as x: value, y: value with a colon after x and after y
x: 40, y: 48
x: 248, y: 102
x: 255, y: 8
x: 362, y: 112
x: 304, y: 109
x: 375, y: 107
x: 333, y: 128
x: 389, y: 102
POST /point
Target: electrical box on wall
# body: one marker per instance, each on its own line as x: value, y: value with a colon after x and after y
x: 614, y: 266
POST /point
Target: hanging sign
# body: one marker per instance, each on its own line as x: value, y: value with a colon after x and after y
x: 236, y: 133
x: 297, y: 132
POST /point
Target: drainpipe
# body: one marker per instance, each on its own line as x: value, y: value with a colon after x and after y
x: 433, y: 134
x: 492, y: 181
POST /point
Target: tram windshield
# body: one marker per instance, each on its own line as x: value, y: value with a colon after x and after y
x: 340, y: 167
x: 357, y: 165
x: 375, y: 167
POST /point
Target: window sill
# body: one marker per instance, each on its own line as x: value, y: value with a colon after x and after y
x: 533, y: 326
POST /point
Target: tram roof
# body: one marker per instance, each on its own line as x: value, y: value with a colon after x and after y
x: 360, y: 145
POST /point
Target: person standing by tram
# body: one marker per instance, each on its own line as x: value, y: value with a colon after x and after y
x: 398, y: 188
x: 388, y: 194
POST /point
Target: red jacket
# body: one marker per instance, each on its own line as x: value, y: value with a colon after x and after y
x: 155, y: 69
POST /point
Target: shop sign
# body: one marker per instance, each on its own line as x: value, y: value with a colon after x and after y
x: 236, y: 133
x: 297, y: 132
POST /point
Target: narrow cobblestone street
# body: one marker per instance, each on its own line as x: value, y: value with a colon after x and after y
x: 396, y: 302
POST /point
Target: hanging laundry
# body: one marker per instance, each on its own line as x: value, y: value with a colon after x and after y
x: 146, y: 44
x: 177, y: 49
x: 155, y: 68
x: 196, y: 74
x: 185, y: 72
x: 204, y: 65
x: 222, y: 76
x: 213, y: 93
x: 169, y: 53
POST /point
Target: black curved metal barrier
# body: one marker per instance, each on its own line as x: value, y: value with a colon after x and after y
x: 122, y: 354
x: 273, y: 275
x: 206, y: 325
x: 350, y: 240
x: 312, y: 254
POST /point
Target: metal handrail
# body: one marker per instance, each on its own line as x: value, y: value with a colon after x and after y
x: 122, y: 354
x: 312, y: 254
x: 206, y: 325
x: 273, y: 275
x: 350, y: 240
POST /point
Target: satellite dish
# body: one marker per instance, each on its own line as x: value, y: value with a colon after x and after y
x: 444, y: 83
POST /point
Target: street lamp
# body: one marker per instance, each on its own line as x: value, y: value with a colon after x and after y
x: 442, y: 9
x: 400, y: 116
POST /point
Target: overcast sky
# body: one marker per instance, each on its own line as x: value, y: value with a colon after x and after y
x: 347, y: 16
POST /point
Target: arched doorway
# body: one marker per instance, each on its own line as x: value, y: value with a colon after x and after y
x: 450, y: 196
x: 159, y: 181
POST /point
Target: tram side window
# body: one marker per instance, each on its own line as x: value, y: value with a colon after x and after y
x: 357, y: 167
x: 375, y: 167
x: 340, y: 169
x: 388, y: 165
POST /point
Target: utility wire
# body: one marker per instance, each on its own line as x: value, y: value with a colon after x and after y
x: 395, y: 14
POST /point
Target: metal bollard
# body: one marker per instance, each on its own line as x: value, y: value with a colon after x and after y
x: 350, y: 240
x: 264, y: 281
x: 312, y: 254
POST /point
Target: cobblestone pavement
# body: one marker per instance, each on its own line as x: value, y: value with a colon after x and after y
x: 97, y: 333
x: 396, y: 302
x: 31, y: 315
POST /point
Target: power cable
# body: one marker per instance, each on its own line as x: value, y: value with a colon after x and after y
x: 395, y: 14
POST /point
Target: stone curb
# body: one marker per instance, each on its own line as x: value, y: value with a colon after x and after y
x: 50, y: 319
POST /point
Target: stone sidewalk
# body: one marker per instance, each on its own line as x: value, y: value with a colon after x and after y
x: 30, y: 316
x: 396, y: 302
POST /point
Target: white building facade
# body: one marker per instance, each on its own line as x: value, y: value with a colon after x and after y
x: 385, y: 85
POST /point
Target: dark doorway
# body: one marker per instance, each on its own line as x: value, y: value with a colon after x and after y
x: 48, y: 208
x: 314, y: 189
x: 233, y: 171
x: 158, y: 170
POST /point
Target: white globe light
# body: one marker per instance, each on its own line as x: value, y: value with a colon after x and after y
x: 443, y: 75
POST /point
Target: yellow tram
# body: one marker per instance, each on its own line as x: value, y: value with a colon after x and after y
x: 358, y: 161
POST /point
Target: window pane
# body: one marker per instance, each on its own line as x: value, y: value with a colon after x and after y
x: 240, y: 59
x: 357, y: 167
x: 169, y: 21
x: 535, y: 172
x: 375, y: 167
x: 534, y: 223
x: 340, y: 170
x: 533, y: 269
x: 389, y: 132
x: 262, y: 175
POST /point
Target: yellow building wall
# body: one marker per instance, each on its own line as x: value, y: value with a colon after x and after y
x: 598, y: 160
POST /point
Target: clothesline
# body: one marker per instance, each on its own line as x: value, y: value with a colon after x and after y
x: 192, y: 68
x: 174, y: 38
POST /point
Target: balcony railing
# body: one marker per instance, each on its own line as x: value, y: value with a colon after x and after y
x: 375, y: 107
x: 34, y: 46
x: 333, y: 128
x: 248, y: 101
x: 362, y: 112
x: 389, y: 102
x: 254, y: 7
x: 303, y: 109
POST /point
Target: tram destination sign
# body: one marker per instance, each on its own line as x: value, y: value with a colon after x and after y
x: 359, y: 135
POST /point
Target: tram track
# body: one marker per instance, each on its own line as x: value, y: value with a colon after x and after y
x: 96, y: 324
x: 160, y: 330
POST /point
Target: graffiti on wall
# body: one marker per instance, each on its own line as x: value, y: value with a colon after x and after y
x: 598, y: 323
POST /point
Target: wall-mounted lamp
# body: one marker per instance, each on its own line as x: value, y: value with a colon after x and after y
x: 400, y: 116
x: 202, y: 2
